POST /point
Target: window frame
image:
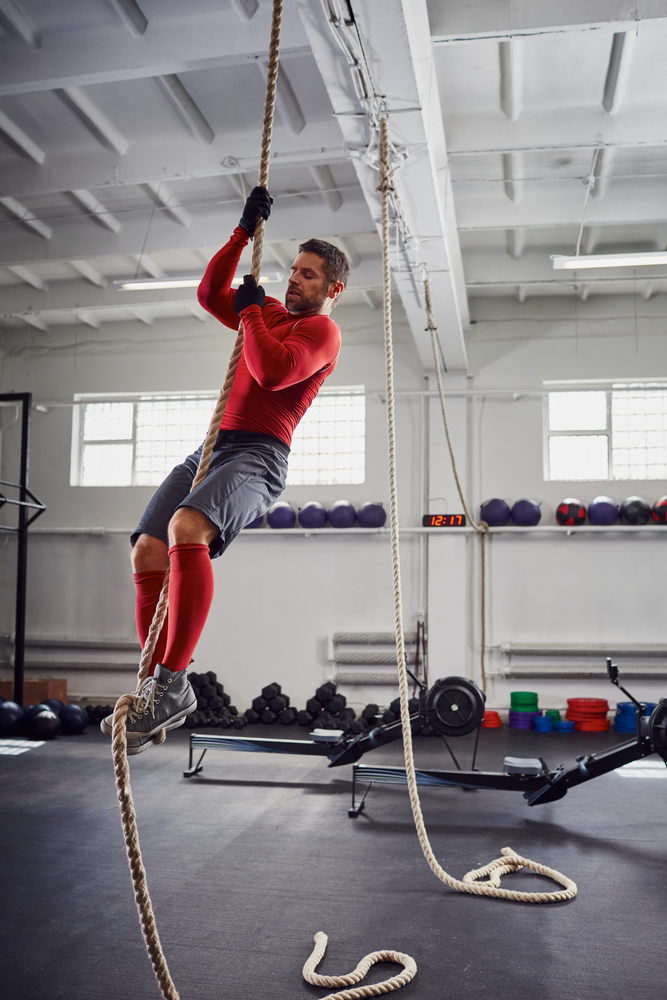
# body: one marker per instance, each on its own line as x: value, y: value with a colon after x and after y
x: 608, y: 387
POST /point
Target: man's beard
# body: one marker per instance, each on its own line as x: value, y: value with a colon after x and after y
x: 305, y: 304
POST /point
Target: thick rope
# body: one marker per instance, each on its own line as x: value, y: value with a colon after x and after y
x: 481, y: 528
x: 510, y: 861
x: 309, y: 974
x: 119, y: 737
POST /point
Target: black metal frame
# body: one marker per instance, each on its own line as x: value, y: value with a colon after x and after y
x: 27, y: 501
x: 545, y: 786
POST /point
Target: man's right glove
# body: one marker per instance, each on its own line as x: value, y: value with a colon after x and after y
x: 257, y: 206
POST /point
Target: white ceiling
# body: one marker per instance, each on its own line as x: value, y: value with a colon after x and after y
x: 129, y: 132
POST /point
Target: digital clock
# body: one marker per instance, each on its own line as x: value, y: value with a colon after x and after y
x: 444, y: 521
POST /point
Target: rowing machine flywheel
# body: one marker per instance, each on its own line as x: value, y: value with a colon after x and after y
x: 657, y: 728
x: 455, y: 706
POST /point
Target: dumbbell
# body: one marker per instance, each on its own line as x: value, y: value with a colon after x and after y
x: 370, y: 712
x: 314, y: 706
x: 287, y: 717
x: 337, y: 703
x: 268, y: 717
x: 349, y: 714
x: 238, y: 722
x: 304, y: 718
x: 325, y: 692
x: 278, y: 704
x: 271, y: 691
x: 389, y: 716
x: 252, y: 717
x: 260, y: 703
x: 212, y: 678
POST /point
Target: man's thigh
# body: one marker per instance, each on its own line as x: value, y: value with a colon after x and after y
x: 166, y: 499
x: 237, y: 491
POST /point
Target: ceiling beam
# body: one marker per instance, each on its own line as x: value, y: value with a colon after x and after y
x: 16, y: 24
x: 172, y: 45
x: 558, y: 204
x: 210, y: 227
x: 150, y: 266
x: 246, y: 9
x: 20, y: 139
x: 94, y: 120
x: 511, y: 77
x: 173, y: 207
x: 325, y: 181
x: 28, y: 276
x: 560, y: 129
x: 65, y: 296
x: 512, y: 175
x: 36, y: 321
x: 89, y: 318
x: 26, y: 217
x: 86, y: 199
x: 399, y: 58
x: 90, y: 273
x: 132, y: 15
x: 618, y: 70
x: 186, y: 109
x: 535, y: 268
x: 287, y: 102
x: 461, y: 20
x: 64, y: 169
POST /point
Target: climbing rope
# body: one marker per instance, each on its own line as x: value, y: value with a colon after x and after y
x: 119, y: 736
x: 510, y: 861
x: 309, y: 974
x: 481, y: 528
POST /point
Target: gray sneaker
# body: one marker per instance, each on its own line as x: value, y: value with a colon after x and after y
x: 163, y: 702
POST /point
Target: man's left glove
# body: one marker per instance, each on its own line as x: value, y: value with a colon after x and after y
x: 257, y: 206
x: 249, y: 294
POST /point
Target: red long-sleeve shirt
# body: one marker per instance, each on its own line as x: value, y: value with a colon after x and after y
x: 285, y: 358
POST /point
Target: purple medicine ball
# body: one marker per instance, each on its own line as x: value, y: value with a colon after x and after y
x: 313, y: 515
x: 256, y: 523
x: 526, y: 513
x: 371, y: 515
x: 602, y: 511
x: 341, y: 514
x: 281, y: 515
x: 495, y: 512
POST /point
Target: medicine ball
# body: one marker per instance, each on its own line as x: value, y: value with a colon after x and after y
x: 603, y: 511
x: 43, y: 725
x: 11, y: 718
x: 526, y: 513
x: 29, y: 711
x: 55, y: 704
x: 73, y: 719
x: 571, y: 512
x: 659, y: 511
x: 495, y: 512
x: 371, y: 515
x: 281, y: 515
x: 256, y: 523
x: 312, y: 515
x: 341, y: 514
x: 634, y: 510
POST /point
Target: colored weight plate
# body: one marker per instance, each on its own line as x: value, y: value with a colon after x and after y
x: 523, y: 697
x: 592, y: 727
x: 565, y: 726
x: 588, y: 703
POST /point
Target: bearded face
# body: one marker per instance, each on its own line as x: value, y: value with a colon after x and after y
x: 307, y: 286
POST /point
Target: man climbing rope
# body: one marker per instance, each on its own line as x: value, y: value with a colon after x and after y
x: 288, y: 352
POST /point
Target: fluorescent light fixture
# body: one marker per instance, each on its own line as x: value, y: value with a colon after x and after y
x: 608, y: 260
x: 158, y: 284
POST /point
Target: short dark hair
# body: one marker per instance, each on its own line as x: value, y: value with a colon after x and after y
x: 334, y: 261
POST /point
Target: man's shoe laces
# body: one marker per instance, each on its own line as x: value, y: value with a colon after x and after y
x: 144, y: 702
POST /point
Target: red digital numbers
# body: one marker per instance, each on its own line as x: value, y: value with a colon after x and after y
x: 444, y: 521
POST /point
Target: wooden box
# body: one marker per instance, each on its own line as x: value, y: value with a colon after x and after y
x: 36, y: 689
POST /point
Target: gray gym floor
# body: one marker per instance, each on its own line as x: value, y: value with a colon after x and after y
x: 248, y: 860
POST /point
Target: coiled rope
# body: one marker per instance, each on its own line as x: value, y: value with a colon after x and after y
x: 510, y: 861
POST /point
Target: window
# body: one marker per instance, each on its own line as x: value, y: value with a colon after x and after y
x: 329, y: 445
x: 617, y: 433
x: 137, y: 440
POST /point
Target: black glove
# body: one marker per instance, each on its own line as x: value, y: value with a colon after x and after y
x: 249, y: 294
x: 257, y: 206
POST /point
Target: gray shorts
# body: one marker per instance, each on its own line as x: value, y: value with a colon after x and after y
x: 246, y: 476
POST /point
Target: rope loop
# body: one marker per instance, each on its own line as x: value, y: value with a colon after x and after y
x: 372, y: 990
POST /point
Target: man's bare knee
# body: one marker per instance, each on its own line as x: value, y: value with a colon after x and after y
x: 190, y: 527
x: 149, y: 554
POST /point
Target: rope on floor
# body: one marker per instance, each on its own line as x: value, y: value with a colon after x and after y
x: 374, y: 990
x: 510, y: 861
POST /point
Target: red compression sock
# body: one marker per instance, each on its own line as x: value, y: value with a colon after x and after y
x: 148, y: 587
x: 190, y: 596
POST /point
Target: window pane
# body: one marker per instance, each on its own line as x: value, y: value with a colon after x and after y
x: 578, y: 411
x: 639, y: 433
x: 106, y: 465
x: 107, y: 422
x: 580, y: 457
x: 329, y: 445
x: 168, y: 429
